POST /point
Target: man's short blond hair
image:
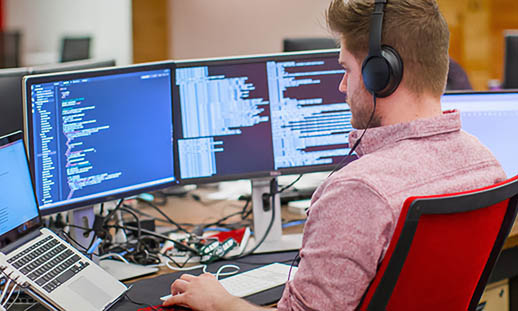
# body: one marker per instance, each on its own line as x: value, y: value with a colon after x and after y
x: 415, y: 28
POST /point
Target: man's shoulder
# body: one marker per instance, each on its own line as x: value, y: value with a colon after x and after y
x: 414, y: 162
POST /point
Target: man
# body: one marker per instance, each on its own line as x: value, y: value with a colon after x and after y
x: 410, y: 148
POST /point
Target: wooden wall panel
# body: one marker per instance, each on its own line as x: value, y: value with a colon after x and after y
x: 150, y: 30
x: 503, y: 16
x: 476, y: 40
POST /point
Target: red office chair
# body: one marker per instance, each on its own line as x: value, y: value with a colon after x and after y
x: 443, y: 250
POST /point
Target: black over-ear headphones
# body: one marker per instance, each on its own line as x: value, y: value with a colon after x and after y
x: 382, y: 69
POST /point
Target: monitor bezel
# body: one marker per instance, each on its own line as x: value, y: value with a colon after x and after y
x: 235, y: 60
x: 28, y: 81
x: 87, y: 64
x: 34, y: 223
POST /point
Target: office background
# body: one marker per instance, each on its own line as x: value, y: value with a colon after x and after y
x: 142, y: 30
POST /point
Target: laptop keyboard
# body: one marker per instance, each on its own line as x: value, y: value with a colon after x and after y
x: 49, y: 263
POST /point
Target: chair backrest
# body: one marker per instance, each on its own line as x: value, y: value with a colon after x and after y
x: 443, y: 250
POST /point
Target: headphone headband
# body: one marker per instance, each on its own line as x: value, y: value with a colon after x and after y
x: 376, y: 28
x: 382, y: 69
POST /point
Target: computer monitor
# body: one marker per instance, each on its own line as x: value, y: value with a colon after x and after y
x: 10, y: 54
x: 260, y: 117
x: 511, y: 60
x: 99, y: 135
x: 492, y: 117
x: 306, y: 44
x: 75, y: 48
x: 73, y: 66
x: 11, y: 119
x: 11, y: 116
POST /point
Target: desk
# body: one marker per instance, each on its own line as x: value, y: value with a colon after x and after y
x: 512, y: 240
x: 193, y: 211
x: 507, y: 267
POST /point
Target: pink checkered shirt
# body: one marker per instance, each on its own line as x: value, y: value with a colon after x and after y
x: 354, y: 212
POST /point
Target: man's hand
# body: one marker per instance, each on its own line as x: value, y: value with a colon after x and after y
x: 205, y: 293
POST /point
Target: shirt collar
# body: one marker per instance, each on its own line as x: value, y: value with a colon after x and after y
x: 379, y: 137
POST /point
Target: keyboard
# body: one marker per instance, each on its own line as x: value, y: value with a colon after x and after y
x: 256, y: 280
x: 49, y: 262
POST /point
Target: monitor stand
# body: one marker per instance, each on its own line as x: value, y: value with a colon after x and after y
x: 275, y: 241
x: 82, y: 217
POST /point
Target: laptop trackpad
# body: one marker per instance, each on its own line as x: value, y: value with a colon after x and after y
x: 90, y: 292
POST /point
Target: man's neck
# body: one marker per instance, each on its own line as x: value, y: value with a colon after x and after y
x: 403, y: 106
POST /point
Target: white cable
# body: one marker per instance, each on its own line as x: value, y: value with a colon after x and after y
x: 204, y: 269
x: 15, y: 284
x: 10, y: 294
x: 219, y: 273
x: 106, y: 256
x: 30, y: 307
x: 4, y: 291
x: 168, y: 264
x: 14, y: 300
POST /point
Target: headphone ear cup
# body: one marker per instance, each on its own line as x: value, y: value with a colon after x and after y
x: 383, y: 74
x: 395, y: 62
x: 376, y: 74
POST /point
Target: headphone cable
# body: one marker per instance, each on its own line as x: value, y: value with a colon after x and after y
x: 358, y: 141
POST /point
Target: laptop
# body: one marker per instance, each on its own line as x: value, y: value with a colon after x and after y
x: 50, y: 269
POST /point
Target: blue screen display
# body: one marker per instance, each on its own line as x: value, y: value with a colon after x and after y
x: 493, y: 119
x: 100, y: 136
x: 17, y: 202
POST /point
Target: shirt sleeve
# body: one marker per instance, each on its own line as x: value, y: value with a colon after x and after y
x: 348, y: 229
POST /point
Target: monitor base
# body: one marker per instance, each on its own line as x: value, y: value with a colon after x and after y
x: 82, y: 220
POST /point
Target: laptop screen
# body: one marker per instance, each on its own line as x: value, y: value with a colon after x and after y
x: 18, y: 208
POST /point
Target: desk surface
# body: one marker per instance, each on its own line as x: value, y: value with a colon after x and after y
x: 512, y: 240
x: 190, y: 210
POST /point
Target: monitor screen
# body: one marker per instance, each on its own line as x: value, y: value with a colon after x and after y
x: 11, y: 115
x: 260, y: 116
x: 493, y: 119
x: 99, y: 135
x: 511, y: 61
